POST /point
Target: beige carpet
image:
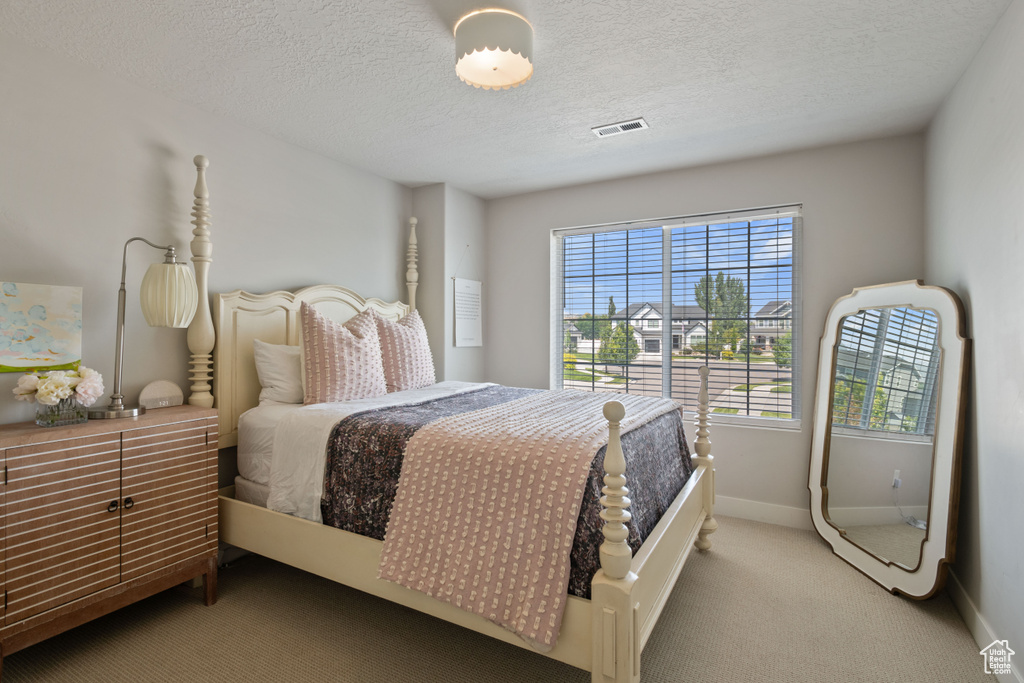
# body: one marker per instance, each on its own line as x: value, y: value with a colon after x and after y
x: 766, y: 604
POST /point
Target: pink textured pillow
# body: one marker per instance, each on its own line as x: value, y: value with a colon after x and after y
x: 342, y: 362
x: 407, y: 360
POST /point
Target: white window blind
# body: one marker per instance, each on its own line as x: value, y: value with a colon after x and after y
x: 723, y: 290
x: 885, y: 369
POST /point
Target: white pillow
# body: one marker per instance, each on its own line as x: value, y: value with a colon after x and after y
x: 279, y: 370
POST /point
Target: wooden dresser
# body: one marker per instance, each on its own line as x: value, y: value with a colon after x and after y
x: 96, y: 516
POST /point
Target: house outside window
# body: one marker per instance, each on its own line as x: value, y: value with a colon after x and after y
x: 727, y: 276
x: 771, y: 321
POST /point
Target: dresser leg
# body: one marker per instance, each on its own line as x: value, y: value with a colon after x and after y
x: 210, y: 581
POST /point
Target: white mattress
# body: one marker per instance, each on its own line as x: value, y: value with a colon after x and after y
x: 256, y: 428
x: 251, y: 492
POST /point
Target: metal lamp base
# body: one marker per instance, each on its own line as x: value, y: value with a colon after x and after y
x: 110, y: 413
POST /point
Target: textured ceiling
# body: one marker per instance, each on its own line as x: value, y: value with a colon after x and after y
x: 373, y: 83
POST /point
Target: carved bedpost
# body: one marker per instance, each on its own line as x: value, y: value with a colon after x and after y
x: 616, y: 556
x: 702, y: 448
x: 201, y: 336
x: 412, y: 275
x: 616, y: 618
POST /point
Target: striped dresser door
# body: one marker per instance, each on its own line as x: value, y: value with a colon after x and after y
x: 168, y: 482
x: 63, y: 522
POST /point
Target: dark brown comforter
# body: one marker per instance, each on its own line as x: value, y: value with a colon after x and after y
x: 364, y: 460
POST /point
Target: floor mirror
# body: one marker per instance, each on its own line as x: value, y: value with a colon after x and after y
x: 888, y: 424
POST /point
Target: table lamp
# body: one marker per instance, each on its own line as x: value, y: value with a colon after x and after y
x: 168, y: 299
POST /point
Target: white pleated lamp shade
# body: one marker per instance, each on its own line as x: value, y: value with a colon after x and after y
x: 494, y: 49
x: 169, y: 295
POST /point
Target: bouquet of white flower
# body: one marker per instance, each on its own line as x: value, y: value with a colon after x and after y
x: 50, y: 388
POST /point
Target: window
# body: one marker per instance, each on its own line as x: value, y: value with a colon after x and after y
x: 719, y: 278
x: 886, y: 366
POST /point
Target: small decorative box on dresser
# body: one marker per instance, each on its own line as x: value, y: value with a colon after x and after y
x: 96, y: 516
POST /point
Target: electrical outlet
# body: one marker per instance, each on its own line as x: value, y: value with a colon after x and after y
x: 896, y: 479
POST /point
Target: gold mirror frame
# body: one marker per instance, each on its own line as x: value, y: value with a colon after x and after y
x: 938, y: 546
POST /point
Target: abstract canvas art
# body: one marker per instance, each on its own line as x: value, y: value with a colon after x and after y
x: 40, y: 327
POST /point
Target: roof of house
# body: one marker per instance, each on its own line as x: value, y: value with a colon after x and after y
x: 695, y: 325
x: 686, y: 312
x: 772, y: 308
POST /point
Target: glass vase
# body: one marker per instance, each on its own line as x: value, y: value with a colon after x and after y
x: 67, y: 411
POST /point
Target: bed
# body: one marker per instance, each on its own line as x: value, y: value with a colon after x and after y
x: 603, y: 633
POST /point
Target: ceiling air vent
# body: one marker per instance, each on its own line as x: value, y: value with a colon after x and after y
x: 617, y: 128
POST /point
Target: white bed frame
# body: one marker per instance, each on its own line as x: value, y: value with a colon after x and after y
x: 603, y: 635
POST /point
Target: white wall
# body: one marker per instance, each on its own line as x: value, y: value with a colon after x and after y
x: 89, y: 161
x: 863, y: 224
x: 975, y: 245
x: 465, y: 254
x: 860, y: 471
x: 452, y: 243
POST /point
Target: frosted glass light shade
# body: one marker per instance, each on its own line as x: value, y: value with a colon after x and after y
x: 494, y: 49
x: 169, y: 295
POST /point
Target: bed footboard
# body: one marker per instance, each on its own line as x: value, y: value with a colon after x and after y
x: 628, y: 593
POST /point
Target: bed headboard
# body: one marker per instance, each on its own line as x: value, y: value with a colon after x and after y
x: 223, y: 372
x: 240, y: 317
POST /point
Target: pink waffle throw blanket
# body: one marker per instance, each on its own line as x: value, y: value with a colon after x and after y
x: 488, y: 501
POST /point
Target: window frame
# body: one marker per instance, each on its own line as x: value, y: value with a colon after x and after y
x: 795, y: 211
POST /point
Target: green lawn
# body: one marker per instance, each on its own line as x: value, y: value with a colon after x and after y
x: 577, y: 376
x: 728, y: 411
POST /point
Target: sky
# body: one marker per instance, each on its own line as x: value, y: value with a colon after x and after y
x: 627, y: 264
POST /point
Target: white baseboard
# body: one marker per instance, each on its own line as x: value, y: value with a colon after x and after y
x: 798, y: 518
x: 978, y: 626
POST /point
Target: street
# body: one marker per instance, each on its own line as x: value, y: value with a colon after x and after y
x: 725, y: 377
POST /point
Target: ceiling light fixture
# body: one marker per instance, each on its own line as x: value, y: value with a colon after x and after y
x: 494, y: 49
